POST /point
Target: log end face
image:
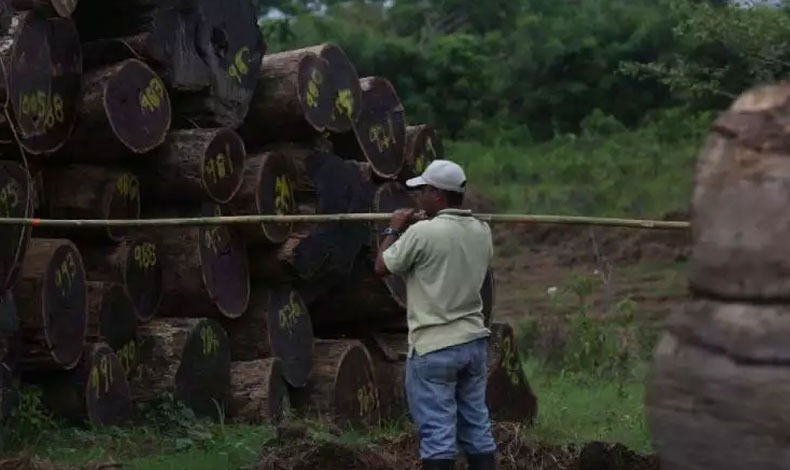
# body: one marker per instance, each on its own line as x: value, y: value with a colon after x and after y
x: 225, y: 269
x: 65, y: 306
x: 508, y: 393
x: 316, y: 91
x: 348, y: 93
x: 203, y: 375
x: 143, y: 277
x: 117, y: 319
x: 356, y: 400
x: 380, y: 129
x: 122, y: 200
x: 275, y: 195
x: 107, y: 395
x: 15, y: 201
x: 64, y: 8
x: 222, y: 166
x: 137, y: 106
x: 423, y: 145
x: 29, y: 74
x: 290, y: 334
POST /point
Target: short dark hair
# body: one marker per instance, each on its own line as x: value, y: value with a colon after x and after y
x: 454, y: 198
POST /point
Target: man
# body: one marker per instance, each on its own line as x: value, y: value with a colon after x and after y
x: 444, y: 260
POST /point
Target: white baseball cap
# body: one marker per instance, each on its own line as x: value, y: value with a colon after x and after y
x: 442, y: 174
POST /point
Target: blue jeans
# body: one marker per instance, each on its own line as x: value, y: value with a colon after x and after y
x: 446, y: 392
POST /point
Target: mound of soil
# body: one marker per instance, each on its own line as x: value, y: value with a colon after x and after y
x: 303, y: 452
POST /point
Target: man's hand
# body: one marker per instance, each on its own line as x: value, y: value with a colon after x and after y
x: 401, y: 218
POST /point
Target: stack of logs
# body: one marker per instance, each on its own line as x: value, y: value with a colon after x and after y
x: 170, y: 109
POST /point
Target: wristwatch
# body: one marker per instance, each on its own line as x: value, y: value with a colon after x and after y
x: 390, y: 231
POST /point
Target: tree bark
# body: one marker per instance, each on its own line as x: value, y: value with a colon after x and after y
x: 423, y: 145
x: 277, y: 323
x: 50, y: 297
x: 258, y: 393
x: 196, y: 165
x: 343, y: 385
x: 124, y: 109
x: 717, y: 384
x: 188, y: 357
x: 96, y: 392
x: 112, y: 320
x: 293, y: 99
x: 43, y: 61
x: 16, y: 200
x: 135, y: 264
x: 205, y: 272
x: 379, y: 133
x: 347, y: 99
x: 102, y: 193
x: 63, y: 8
x: 508, y: 394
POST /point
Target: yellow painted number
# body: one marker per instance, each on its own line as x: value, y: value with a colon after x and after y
x: 153, y: 95
x: 128, y: 186
x: 145, y: 255
x: 380, y: 136
x: 65, y: 274
x: 219, y: 166
x: 239, y: 66
x: 316, y: 79
x: 344, y: 103
x: 210, y: 340
x: 9, y: 198
x: 366, y: 397
x: 283, y: 198
x: 510, y: 361
x: 101, y: 373
x: 40, y: 105
x: 128, y: 356
x: 290, y: 313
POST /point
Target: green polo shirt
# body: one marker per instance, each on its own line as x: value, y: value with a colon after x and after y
x: 444, y: 261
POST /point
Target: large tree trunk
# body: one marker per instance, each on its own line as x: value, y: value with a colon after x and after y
x: 112, y: 320
x: 423, y: 145
x: 95, y: 392
x: 124, y: 109
x: 293, y: 99
x: 63, y: 8
x: 50, y: 296
x: 135, y: 264
x: 277, y: 324
x: 16, y: 200
x: 188, y: 357
x: 43, y: 60
x: 196, y: 165
x: 205, y: 272
x: 258, y: 393
x: 509, y: 395
x: 102, y: 193
x: 379, y: 134
x: 717, y: 387
x: 343, y: 385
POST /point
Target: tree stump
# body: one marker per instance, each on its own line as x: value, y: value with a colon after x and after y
x: 423, y: 145
x: 258, y: 393
x: 738, y: 214
x: 277, y: 324
x: 197, y: 165
x: 343, y: 385
x: 379, y: 133
x: 50, y: 297
x: 205, y: 272
x: 508, y: 394
x: 43, y: 62
x: 16, y: 200
x: 135, y: 264
x: 63, y: 8
x: 124, y: 109
x: 112, y: 320
x: 267, y: 188
x: 188, y: 357
x: 716, y: 386
x: 95, y: 392
x: 293, y: 99
x: 345, y: 81
x: 103, y: 193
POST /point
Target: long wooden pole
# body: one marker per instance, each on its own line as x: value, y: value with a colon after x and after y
x: 374, y: 217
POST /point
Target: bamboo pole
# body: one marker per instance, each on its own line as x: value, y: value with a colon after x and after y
x: 358, y: 217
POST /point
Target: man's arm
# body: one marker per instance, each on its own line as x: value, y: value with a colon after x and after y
x: 381, y: 268
x: 404, y: 251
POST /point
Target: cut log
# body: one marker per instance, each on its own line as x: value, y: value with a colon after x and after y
x: 16, y: 200
x: 277, y: 323
x: 195, y: 166
x: 508, y: 394
x: 258, y: 393
x: 205, y: 272
x: 102, y: 193
x: 124, y: 109
x: 293, y: 99
x: 389, y: 353
x: 423, y: 145
x: 379, y: 133
x: 716, y: 387
x: 63, y: 8
x: 268, y: 188
x: 342, y: 386
x: 95, y: 392
x: 50, y: 296
x: 135, y: 264
x: 44, y: 75
x: 112, y: 320
x: 345, y: 82
x: 186, y: 357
